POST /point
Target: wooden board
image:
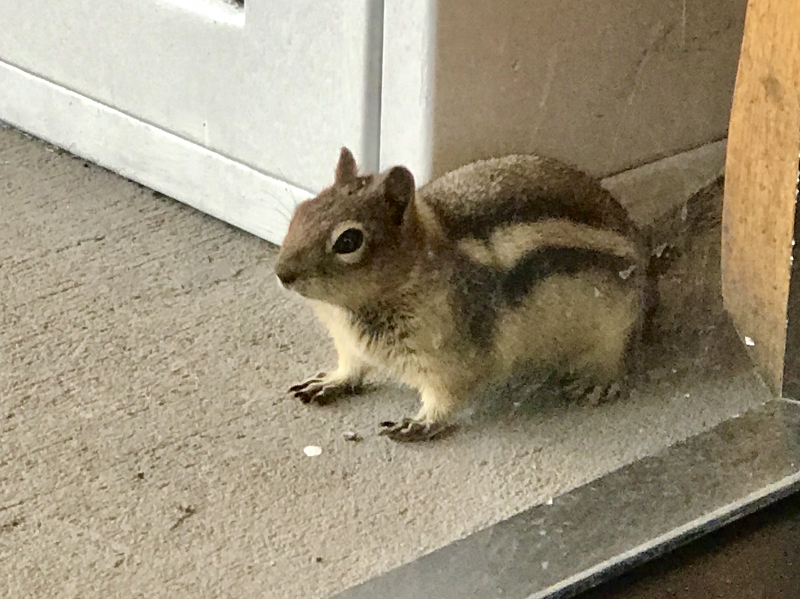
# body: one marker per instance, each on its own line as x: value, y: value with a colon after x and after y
x: 761, y: 183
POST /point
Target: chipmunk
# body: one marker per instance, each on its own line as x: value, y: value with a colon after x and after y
x: 520, y: 262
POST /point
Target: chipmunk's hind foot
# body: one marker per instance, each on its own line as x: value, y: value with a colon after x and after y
x: 586, y: 390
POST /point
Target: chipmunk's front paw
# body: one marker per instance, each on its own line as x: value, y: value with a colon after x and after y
x: 595, y: 394
x: 322, y: 389
x: 409, y: 430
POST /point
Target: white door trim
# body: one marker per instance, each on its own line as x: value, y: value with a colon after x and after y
x: 210, y: 182
x: 407, y: 85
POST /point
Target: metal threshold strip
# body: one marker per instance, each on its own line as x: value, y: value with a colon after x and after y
x: 619, y: 521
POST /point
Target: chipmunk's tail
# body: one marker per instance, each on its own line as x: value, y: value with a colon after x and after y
x: 667, y: 238
x: 659, y: 262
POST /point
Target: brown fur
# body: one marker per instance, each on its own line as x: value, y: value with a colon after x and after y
x: 429, y: 298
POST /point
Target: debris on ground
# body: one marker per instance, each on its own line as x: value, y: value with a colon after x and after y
x: 312, y: 451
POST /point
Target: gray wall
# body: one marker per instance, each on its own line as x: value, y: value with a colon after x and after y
x: 604, y: 84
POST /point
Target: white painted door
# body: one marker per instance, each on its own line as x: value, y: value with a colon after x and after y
x: 238, y: 110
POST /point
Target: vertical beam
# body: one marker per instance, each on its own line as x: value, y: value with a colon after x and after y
x: 761, y: 184
x: 407, y: 97
x: 370, y: 161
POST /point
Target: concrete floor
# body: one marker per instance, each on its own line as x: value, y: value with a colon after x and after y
x: 148, y: 448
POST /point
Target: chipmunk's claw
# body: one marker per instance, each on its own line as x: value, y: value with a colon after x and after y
x: 409, y: 430
x: 319, y: 390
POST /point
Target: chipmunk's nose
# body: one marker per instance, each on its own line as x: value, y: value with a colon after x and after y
x: 286, y: 274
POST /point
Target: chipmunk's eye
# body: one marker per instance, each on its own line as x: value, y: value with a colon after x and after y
x: 349, y: 241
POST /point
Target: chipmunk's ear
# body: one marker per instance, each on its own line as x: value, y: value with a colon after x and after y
x: 346, y: 168
x: 398, y: 189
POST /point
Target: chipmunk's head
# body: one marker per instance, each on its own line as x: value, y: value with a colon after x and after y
x: 346, y: 245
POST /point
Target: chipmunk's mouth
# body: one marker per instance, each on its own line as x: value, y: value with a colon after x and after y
x: 300, y: 286
x: 295, y: 286
x: 299, y: 281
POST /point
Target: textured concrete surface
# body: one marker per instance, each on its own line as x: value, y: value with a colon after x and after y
x: 148, y: 448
